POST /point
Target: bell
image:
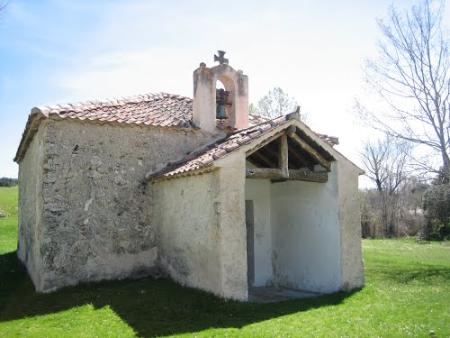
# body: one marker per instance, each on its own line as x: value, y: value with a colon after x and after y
x: 221, y: 100
x: 220, y: 112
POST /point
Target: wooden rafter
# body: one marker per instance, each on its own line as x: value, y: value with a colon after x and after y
x: 278, y: 154
x: 264, y: 159
x: 265, y: 142
x: 299, y: 158
x: 310, y: 150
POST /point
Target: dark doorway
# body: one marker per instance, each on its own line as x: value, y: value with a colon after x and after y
x: 249, y: 221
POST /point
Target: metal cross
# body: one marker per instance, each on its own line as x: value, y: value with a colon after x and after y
x: 221, y: 58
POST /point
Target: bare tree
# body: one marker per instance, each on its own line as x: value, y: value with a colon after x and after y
x: 252, y: 110
x: 386, y: 165
x: 412, y: 76
x: 276, y: 103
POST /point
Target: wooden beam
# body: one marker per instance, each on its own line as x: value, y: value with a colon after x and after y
x: 265, y: 142
x: 301, y: 159
x: 283, y: 157
x: 294, y: 175
x: 291, y: 130
x: 264, y: 159
x: 308, y: 175
x: 310, y: 150
x: 267, y: 173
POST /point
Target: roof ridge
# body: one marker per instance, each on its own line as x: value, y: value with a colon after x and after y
x: 109, y: 102
x: 253, y: 126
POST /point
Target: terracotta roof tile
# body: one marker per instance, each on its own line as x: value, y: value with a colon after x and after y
x: 161, y: 109
x: 202, y: 158
x: 257, y: 119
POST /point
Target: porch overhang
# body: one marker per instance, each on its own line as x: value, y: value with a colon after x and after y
x: 289, y: 155
x: 285, y: 146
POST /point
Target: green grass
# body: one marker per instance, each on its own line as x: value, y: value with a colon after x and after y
x: 8, y: 225
x: 407, y: 293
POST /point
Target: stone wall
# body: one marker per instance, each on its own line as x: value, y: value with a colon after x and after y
x: 87, y: 214
x: 30, y: 206
x: 97, y: 220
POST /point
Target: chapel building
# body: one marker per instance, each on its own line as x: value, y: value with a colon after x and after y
x: 194, y: 189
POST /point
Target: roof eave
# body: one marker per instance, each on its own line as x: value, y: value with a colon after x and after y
x: 203, y: 170
x: 34, y: 120
x: 328, y: 147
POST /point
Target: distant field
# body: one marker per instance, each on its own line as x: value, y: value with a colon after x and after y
x: 8, y: 225
x: 407, y: 294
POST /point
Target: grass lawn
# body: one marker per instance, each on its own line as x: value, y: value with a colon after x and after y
x: 407, y: 293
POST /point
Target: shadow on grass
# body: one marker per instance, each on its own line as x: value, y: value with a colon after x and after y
x: 151, y: 307
x: 426, y: 274
x: 414, y: 273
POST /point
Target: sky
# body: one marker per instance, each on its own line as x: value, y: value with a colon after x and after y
x: 59, y: 51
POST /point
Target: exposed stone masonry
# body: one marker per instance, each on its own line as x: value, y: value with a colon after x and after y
x: 97, y: 212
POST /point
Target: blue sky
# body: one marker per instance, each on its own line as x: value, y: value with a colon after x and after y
x: 59, y: 51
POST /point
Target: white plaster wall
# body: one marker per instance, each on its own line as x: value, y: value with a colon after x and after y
x: 259, y: 192
x: 231, y: 209
x: 188, y: 232
x: 306, y: 235
x: 30, y: 206
x: 350, y: 221
x: 201, y: 229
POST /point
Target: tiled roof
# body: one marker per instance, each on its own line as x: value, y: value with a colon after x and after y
x: 257, y: 119
x: 162, y: 109
x: 203, y: 158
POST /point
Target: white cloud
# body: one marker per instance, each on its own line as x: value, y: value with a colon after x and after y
x: 314, y: 54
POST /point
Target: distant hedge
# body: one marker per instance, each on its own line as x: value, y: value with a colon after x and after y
x: 8, y: 182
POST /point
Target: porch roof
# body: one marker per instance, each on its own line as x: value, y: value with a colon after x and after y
x: 202, y: 160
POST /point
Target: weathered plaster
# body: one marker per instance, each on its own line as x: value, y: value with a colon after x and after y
x: 97, y: 213
x: 188, y: 232
x: 352, y: 269
x: 204, y: 105
x: 31, y: 205
x: 201, y: 234
x: 231, y: 208
x: 90, y: 215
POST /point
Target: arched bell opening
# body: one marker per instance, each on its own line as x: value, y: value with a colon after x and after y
x: 220, y: 97
x: 224, y: 100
